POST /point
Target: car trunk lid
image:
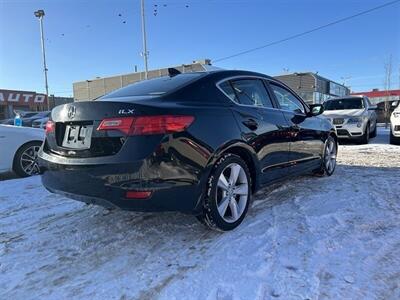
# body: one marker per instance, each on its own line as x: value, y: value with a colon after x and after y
x: 75, y: 127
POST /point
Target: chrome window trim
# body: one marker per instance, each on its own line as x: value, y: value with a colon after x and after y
x: 261, y: 78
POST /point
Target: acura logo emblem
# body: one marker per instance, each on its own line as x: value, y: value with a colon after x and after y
x: 71, y: 112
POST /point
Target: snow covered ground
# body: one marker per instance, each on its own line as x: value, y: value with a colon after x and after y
x: 311, y: 238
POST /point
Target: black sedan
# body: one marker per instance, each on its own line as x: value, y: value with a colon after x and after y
x: 200, y: 143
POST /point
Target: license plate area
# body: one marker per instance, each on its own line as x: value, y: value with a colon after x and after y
x: 77, y: 137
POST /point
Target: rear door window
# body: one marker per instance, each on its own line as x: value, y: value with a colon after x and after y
x: 250, y: 92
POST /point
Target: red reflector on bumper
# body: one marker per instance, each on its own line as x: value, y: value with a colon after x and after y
x: 138, y: 194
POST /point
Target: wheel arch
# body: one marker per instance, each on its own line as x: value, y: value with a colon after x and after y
x: 334, y: 135
x: 248, y: 155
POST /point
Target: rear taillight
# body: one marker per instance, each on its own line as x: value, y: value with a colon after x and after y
x: 140, y: 195
x: 146, y: 125
x: 121, y: 124
x: 50, y: 127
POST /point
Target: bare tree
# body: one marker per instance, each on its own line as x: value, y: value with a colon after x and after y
x: 388, y: 76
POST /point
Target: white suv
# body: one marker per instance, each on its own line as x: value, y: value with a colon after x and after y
x: 395, y: 126
x: 353, y: 117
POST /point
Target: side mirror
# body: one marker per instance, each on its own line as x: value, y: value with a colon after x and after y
x: 373, y: 107
x: 316, y: 109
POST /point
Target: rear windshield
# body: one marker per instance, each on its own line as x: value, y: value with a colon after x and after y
x: 154, y: 87
x: 339, y: 104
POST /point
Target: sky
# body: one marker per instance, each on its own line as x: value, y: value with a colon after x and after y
x: 85, y: 39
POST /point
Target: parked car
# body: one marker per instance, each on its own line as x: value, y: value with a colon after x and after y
x: 19, y: 147
x: 28, y: 118
x: 200, y: 143
x: 381, y: 110
x: 353, y: 117
x: 40, y: 123
x: 395, y: 126
x: 23, y: 114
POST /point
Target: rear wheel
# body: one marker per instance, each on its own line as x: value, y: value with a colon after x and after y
x: 328, y: 164
x: 228, y: 194
x: 25, y: 160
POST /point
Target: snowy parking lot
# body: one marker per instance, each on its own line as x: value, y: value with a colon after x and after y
x: 309, y: 238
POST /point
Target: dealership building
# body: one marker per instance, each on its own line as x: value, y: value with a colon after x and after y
x: 12, y: 100
x: 312, y: 87
x: 376, y: 96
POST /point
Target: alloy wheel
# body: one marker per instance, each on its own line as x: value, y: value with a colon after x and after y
x: 232, y: 193
x: 28, y: 160
x: 330, y: 156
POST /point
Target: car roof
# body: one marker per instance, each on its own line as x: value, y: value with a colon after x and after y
x: 229, y: 73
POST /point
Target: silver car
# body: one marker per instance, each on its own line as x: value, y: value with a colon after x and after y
x: 354, y: 117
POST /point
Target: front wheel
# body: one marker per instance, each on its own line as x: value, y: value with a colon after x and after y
x: 228, y: 194
x: 366, y: 135
x: 393, y: 139
x: 374, y: 132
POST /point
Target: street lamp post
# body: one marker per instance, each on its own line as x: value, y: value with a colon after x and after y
x: 40, y: 14
x: 144, y: 53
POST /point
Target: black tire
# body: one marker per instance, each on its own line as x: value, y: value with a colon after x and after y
x: 19, y: 163
x: 324, y: 170
x: 374, y: 132
x: 365, y: 137
x: 210, y: 215
x: 394, y: 140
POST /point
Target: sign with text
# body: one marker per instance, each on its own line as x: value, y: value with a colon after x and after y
x: 21, y: 97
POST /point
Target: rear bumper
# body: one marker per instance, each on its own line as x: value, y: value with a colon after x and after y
x: 107, y: 184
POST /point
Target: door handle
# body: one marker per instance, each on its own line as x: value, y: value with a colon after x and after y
x: 251, y: 124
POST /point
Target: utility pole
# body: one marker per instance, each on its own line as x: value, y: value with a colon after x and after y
x: 40, y: 14
x: 388, y: 77
x: 145, y: 53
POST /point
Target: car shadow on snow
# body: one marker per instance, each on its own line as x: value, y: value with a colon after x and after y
x: 7, y: 176
x: 116, y: 226
x: 92, y: 242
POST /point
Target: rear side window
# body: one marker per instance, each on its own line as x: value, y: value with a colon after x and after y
x: 247, y: 92
x: 154, y: 87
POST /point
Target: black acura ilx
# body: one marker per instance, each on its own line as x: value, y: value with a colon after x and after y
x: 200, y: 143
